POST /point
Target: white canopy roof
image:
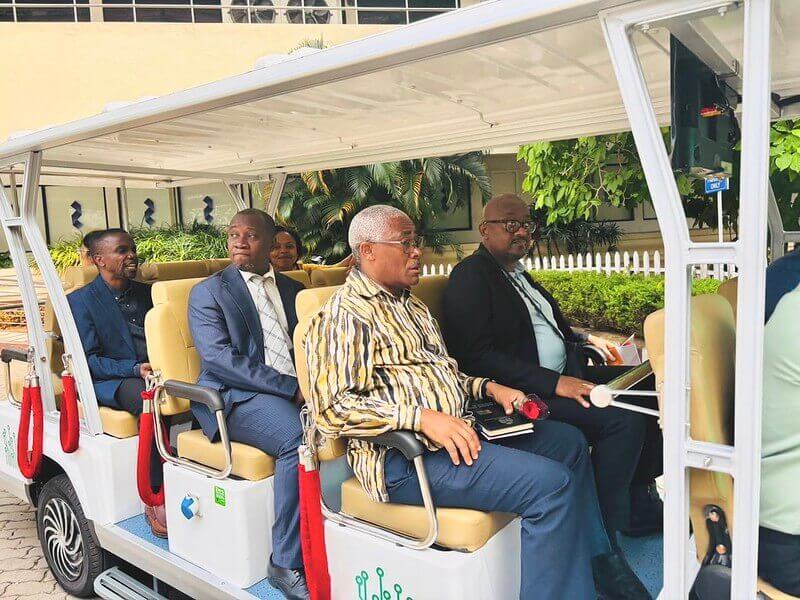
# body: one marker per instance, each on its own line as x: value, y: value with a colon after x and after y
x: 441, y: 85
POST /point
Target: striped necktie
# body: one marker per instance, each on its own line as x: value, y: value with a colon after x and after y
x: 276, y: 340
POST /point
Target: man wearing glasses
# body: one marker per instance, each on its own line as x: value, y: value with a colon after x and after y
x: 498, y: 322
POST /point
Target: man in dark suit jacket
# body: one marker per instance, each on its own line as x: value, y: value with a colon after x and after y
x: 242, y: 320
x: 499, y: 322
x: 109, y: 314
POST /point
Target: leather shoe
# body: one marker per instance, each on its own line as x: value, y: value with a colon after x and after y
x: 647, y: 511
x: 156, y: 517
x: 289, y: 582
x: 614, y: 579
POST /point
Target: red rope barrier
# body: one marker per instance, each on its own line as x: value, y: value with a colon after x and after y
x: 144, y: 454
x: 69, y: 424
x: 312, y: 532
x: 30, y: 462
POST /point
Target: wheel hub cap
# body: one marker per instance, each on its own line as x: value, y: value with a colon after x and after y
x: 62, y: 538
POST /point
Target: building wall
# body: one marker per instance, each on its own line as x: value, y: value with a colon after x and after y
x: 65, y: 71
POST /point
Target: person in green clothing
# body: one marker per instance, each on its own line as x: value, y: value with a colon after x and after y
x: 779, y: 533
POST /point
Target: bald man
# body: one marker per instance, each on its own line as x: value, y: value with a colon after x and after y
x: 500, y: 323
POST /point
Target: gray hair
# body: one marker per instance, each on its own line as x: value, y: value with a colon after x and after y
x: 371, y: 225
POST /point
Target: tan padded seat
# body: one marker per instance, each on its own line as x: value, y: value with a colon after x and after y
x: 325, y: 277
x: 773, y: 593
x: 184, y: 269
x: 170, y: 346
x: 116, y: 423
x: 299, y: 275
x: 459, y: 528
x: 248, y: 462
x: 216, y: 264
x: 711, y: 363
x: 431, y: 291
x: 171, y: 350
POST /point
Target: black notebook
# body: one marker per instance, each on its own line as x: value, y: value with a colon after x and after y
x: 493, y: 423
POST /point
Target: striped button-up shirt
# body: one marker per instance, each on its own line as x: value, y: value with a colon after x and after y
x: 375, y: 361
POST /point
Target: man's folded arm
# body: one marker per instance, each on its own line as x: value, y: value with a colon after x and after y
x: 101, y: 367
x: 235, y: 370
x: 469, y: 338
x: 339, y: 353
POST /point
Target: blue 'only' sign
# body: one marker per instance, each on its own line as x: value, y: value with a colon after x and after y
x: 717, y: 184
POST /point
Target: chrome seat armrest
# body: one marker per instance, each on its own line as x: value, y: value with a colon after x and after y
x: 404, y: 441
x: 7, y: 355
x: 208, y: 397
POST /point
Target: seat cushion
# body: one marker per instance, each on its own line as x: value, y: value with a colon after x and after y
x: 248, y: 462
x: 459, y: 528
x: 773, y: 593
x: 116, y: 423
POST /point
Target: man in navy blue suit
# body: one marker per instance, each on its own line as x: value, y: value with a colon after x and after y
x: 109, y: 314
x: 242, y: 320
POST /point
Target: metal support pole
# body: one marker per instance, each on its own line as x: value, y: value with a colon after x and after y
x: 749, y: 330
x: 12, y: 178
x: 55, y: 291
x: 235, y: 195
x: 278, y: 184
x: 123, y: 204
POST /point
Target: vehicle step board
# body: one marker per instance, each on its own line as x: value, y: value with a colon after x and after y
x: 113, y: 584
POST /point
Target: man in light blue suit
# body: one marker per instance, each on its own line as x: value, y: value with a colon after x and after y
x: 242, y: 320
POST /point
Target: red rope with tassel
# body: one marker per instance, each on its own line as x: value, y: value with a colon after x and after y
x: 144, y: 453
x: 68, y: 423
x: 30, y: 462
x: 312, y: 528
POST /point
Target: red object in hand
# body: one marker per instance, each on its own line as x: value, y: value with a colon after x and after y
x: 534, y: 408
x: 30, y: 462
x: 68, y: 424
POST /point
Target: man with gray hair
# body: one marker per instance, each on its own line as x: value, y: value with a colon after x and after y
x: 378, y: 363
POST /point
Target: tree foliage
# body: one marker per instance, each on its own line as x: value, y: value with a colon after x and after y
x: 319, y: 205
x: 570, y: 179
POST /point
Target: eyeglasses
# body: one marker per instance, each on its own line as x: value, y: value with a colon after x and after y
x: 417, y: 243
x: 512, y: 225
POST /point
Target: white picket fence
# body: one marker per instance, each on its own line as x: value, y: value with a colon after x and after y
x: 644, y: 263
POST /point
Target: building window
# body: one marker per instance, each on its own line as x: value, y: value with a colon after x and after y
x: 182, y: 13
x: 48, y: 13
x: 404, y: 14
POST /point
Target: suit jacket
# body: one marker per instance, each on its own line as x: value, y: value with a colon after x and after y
x: 227, y: 335
x: 488, y: 327
x: 105, y: 336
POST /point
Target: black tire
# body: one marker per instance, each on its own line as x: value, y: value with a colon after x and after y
x: 68, y: 542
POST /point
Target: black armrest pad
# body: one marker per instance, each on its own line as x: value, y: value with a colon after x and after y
x: 9, y: 354
x: 594, y: 353
x: 404, y: 441
x: 195, y: 393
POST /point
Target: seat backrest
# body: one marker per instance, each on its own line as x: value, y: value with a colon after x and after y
x: 182, y: 269
x: 712, y: 360
x: 326, y: 277
x: 308, y: 303
x: 216, y: 264
x: 729, y: 290
x: 431, y: 291
x: 299, y: 275
x: 170, y: 346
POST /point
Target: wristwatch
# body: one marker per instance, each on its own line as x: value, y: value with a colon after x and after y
x: 484, y: 386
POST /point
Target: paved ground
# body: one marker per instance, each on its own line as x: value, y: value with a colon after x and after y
x: 23, y: 571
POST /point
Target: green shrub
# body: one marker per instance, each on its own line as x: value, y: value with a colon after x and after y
x: 612, y: 303
x: 159, y: 244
